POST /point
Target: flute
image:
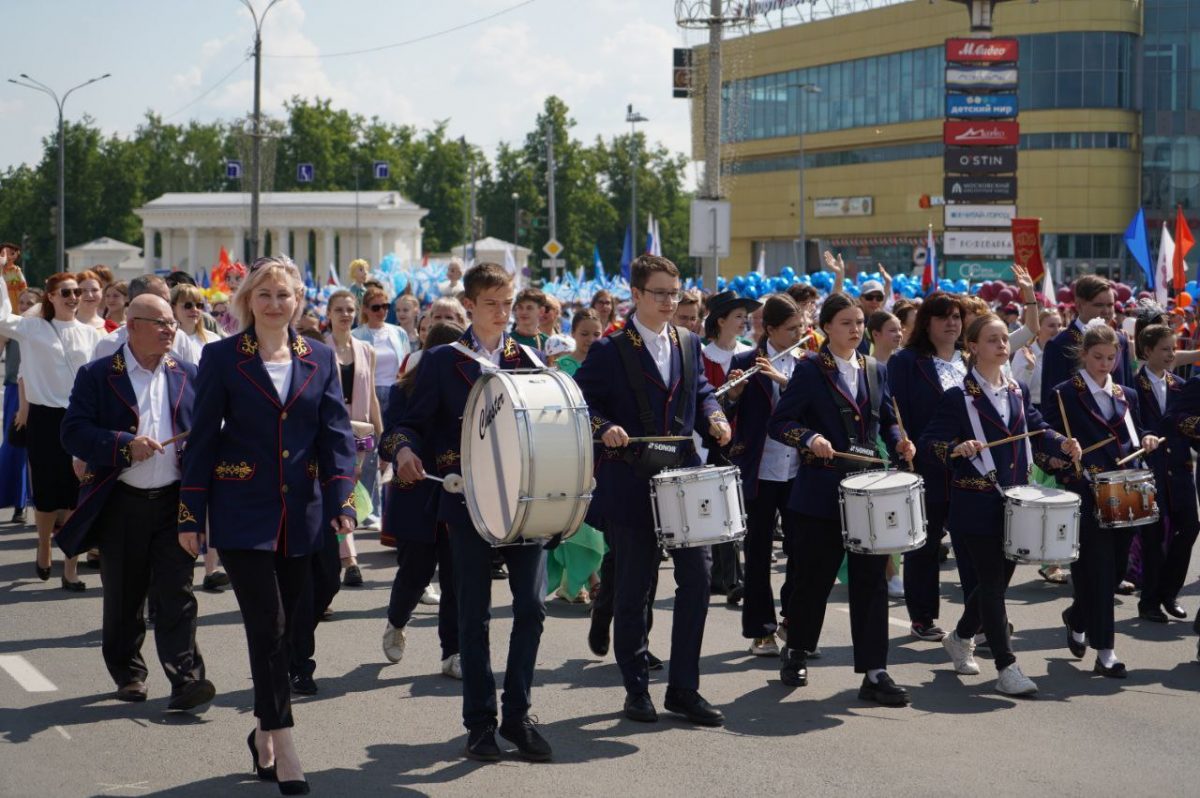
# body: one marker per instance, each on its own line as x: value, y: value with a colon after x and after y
x: 750, y: 372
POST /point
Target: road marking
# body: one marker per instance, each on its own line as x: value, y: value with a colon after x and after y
x: 63, y: 732
x: 891, y: 620
x: 25, y: 674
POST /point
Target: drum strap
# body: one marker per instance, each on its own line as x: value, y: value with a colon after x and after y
x: 849, y: 411
x: 984, y: 463
x: 483, y: 362
x: 637, y: 380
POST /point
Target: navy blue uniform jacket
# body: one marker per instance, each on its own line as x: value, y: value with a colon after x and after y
x: 101, y: 422
x: 1059, y: 362
x: 431, y: 424
x: 976, y: 506
x: 913, y: 381
x: 807, y: 409
x: 267, y: 474
x: 410, y: 510
x: 621, y: 498
x: 1179, y: 426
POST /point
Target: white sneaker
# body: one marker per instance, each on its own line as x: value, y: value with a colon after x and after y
x: 962, y: 653
x: 393, y: 643
x: 896, y: 587
x: 431, y: 595
x: 764, y: 647
x: 1013, y: 682
x: 452, y: 667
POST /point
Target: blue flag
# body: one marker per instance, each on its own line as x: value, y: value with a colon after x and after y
x: 627, y: 253
x: 597, y: 264
x: 1139, y: 247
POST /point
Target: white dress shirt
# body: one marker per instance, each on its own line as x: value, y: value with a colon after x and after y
x: 659, y: 346
x: 1029, y: 369
x: 51, y: 353
x: 1101, y: 393
x: 1159, y: 386
x: 489, y: 354
x: 849, y: 371
x: 183, y: 347
x: 154, y: 421
x: 779, y: 463
x: 998, y: 394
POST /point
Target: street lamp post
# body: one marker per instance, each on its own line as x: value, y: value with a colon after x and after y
x: 516, y: 198
x: 802, y: 120
x: 30, y: 83
x: 256, y: 143
x: 633, y: 117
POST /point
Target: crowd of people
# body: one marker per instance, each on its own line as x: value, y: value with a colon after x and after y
x: 152, y: 423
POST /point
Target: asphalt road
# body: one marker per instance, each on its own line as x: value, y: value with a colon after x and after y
x: 377, y: 728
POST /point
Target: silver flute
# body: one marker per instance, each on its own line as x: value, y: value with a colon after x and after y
x: 750, y: 372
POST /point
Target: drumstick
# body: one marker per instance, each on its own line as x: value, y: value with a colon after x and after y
x: 1067, y: 428
x: 862, y: 457
x: 659, y: 439
x: 176, y: 439
x: 900, y: 424
x: 1009, y: 439
x: 1099, y: 445
x: 1136, y: 454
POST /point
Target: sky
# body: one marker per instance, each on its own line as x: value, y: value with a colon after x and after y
x: 489, y: 79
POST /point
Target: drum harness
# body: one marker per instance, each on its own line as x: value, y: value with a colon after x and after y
x: 848, y: 411
x: 983, y: 461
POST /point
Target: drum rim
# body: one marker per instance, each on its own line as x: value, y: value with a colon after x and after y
x: 1104, y: 477
x: 917, y: 480
x: 692, y: 474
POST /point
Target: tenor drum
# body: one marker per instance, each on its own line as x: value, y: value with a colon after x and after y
x: 513, y: 496
x: 1041, y: 525
x: 699, y: 506
x: 883, y: 512
x: 1125, y: 498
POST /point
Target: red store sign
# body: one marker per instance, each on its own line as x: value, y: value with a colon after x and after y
x: 961, y: 133
x: 985, y: 51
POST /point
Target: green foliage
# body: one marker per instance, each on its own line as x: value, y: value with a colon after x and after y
x: 108, y: 178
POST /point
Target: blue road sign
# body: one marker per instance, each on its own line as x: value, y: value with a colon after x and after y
x: 304, y: 173
x: 233, y: 170
x: 382, y: 170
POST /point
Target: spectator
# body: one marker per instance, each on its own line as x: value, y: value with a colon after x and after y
x: 527, y: 311
x: 602, y: 303
x: 884, y: 331
x: 14, y: 471
x: 452, y: 286
x: 116, y: 297
x: 408, y: 307
x: 550, y: 316
x: 89, y: 301
x: 688, y: 313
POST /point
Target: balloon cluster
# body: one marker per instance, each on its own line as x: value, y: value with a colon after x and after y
x: 755, y: 285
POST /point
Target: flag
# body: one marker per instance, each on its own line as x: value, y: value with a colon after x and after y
x: 649, y: 234
x: 1162, y: 272
x: 929, y: 276
x: 1048, y: 288
x: 627, y: 253
x: 761, y: 266
x: 1183, y: 244
x: 1138, y: 246
x: 1027, y: 247
x: 597, y: 264
x: 657, y: 239
x: 333, y: 278
x: 510, y: 262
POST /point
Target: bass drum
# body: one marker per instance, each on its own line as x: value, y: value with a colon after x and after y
x: 513, y: 496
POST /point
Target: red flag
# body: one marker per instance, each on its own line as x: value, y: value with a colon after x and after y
x: 1027, y: 247
x: 1183, y: 243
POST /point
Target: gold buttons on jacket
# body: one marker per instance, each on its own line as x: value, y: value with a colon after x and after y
x: 283, y: 415
x: 284, y: 454
x: 133, y: 430
x: 284, y: 488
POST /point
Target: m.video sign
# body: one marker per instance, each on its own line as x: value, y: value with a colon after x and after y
x: 981, y: 51
x: 981, y: 106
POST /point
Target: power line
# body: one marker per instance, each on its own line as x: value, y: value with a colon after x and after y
x: 417, y: 40
x: 209, y: 90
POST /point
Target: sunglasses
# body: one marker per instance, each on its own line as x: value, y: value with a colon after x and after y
x: 873, y: 297
x: 67, y: 293
x: 190, y: 306
x: 377, y: 308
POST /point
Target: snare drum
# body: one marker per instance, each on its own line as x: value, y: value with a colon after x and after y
x: 883, y: 512
x: 1125, y: 498
x: 512, y: 495
x: 1041, y: 525
x: 699, y: 506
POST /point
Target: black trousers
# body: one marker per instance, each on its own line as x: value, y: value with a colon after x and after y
x: 415, y: 565
x: 602, y: 605
x: 269, y: 588
x: 140, y: 551
x: 819, y: 545
x: 325, y: 583
x: 922, y: 571
x: 984, y: 609
x: 726, y: 571
x: 1103, y: 554
x: 758, y: 607
x: 1174, y: 569
x: 1152, y: 564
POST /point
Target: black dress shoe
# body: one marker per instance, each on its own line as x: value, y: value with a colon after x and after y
x: 1077, y: 649
x: 191, y: 695
x: 794, y: 670
x: 692, y: 706
x: 352, y: 577
x: 303, y: 685
x: 884, y: 691
x: 215, y: 581
x: 653, y: 663
x: 263, y: 773
x: 1174, y: 609
x: 293, y: 787
x: 1115, y: 671
x: 524, y: 735
x: 735, y: 594
x: 18, y: 516
x: 73, y: 587
x: 42, y: 573
x: 481, y: 744
x: 1152, y: 614
x: 133, y: 692
x: 639, y: 707
x: 598, y: 638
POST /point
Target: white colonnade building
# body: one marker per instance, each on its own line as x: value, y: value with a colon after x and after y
x: 319, y: 228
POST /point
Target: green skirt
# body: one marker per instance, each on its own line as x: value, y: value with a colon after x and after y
x: 571, y: 564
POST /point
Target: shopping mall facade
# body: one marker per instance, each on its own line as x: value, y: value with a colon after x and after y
x: 1109, y: 115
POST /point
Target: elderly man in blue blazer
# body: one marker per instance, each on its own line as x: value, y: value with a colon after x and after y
x: 126, y: 413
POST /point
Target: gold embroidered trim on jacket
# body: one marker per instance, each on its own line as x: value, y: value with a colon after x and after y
x: 234, y: 471
x: 248, y: 345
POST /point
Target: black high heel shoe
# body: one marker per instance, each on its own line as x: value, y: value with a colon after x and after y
x: 264, y: 774
x: 42, y: 573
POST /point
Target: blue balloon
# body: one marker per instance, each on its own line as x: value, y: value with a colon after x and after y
x: 787, y: 272
x: 853, y: 290
x: 1192, y: 287
x: 738, y: 283
x: 399, y: 282
x: 720, y: 283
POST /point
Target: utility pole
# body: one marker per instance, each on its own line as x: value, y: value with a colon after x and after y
x: 552, y: 216
x: 256, y: 135
x: 712, y: 130
x: 516, y: 198
x: 474, y: 216
x: 801, y: 206
x: 467, y: 226
x: 632, y: 117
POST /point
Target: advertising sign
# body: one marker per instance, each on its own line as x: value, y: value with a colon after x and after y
x: 962, y: 78
x: 980, y: 189
x: 981, y: 160
x: 979, y: 269
x: 957, y: 242
x: 833, y: 207
x: 981, y: 134
x: 979, y: 215
x: 987, y: 51
x: 981, y: 106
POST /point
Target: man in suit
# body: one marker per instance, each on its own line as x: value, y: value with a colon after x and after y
x: 432, y: 424
x: 1094, y: 299
x: 621, y: 503
x: 125, y: 411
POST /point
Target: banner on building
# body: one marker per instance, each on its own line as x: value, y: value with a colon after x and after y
x: 980, y: 189
x: 979, y: 215
x: 961, y: 78
x: 959, y: 133
x: 981, y: 160
x: 981, y: 51
x: 981, y: 106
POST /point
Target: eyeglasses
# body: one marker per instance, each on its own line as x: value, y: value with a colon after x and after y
x: 664, y: 296
x: 162, y: 324
x: 191, y: 306
x: 873, y: 297
x: 67, y: 293
x: 377, y: 308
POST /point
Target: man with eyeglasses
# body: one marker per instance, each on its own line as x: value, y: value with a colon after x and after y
x: 647, y: 379
x: 127, y: 415
x: 182, y: 346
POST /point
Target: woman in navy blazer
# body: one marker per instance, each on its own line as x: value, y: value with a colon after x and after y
x: 813, y: 416
x: 1103, y: 552
x: 270, y: 466
x: 1002, y: 408
x: 749, y: 406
